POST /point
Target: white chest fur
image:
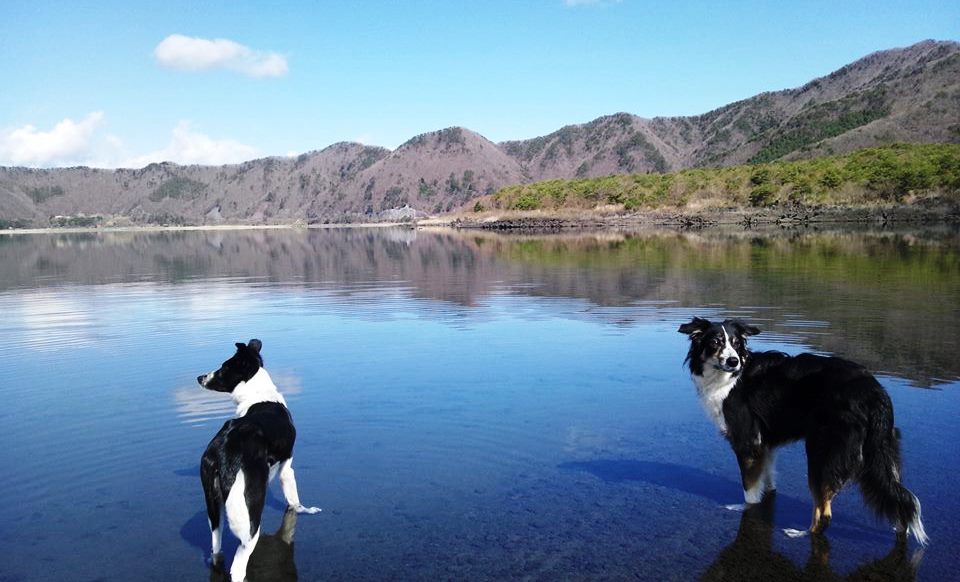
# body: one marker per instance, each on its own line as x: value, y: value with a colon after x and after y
x: 713, y: 387
x: 260, y: 388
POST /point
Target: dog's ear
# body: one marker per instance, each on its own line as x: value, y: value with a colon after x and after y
x: 255, y: 345
x: 696, y: 327
x: 744, y: 328
x: 240, y: 345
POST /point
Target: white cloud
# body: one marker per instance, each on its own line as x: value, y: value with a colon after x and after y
x: 68, y: 142
x: 188, y: 146
x: 187, y: 53
x: 83, y: 143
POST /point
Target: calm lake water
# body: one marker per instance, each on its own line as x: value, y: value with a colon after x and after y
x: 469, y: 406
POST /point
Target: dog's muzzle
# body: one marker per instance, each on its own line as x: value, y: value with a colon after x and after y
x: 731, y: 364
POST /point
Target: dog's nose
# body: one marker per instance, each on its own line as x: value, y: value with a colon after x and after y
x: 200, y: 379
x: 733, y: 362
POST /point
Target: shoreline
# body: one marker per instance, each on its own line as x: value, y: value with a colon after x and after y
x: 746, y: 218
x: 206, y: 227
x: 539, y: 220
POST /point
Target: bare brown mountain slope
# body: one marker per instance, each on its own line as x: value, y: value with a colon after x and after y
x: 910, y: 94
x: 434, y: 172
x: 265, y: 190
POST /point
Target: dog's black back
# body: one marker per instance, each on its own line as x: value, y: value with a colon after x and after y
x: 792, y: 397
x: 253, y: 443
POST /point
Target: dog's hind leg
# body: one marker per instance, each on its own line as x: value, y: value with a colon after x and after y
x: 238, y: 571
x: 244, y: 507
x: 288, y: 481
x: 833, y: 456
x: 822, y: 510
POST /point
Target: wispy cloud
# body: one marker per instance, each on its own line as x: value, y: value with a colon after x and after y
x: 67, y: 142
x: 188, y: 53
x: 188, y: 146
x: 579, y: 3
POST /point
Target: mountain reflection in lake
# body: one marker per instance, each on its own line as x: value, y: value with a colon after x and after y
x: 469, y: 405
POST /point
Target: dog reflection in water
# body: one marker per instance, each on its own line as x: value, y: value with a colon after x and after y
x: 272, y: 558
x: 751, y: 556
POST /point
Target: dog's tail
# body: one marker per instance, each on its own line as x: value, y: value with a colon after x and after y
x: 880, y: 479
x: 212, y: 489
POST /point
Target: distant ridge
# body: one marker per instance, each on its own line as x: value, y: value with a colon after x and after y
x: 907, y: 94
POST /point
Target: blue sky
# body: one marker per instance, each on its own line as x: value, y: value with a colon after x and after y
x: 113, y: 84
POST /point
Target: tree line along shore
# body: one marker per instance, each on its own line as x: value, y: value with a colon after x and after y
x: 894, y: 180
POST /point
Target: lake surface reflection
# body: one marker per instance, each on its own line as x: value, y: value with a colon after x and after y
x: 469, y: 405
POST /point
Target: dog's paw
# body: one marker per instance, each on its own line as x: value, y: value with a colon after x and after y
x: 305, y: 509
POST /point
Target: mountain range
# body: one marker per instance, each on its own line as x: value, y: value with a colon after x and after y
x: 907, y: 94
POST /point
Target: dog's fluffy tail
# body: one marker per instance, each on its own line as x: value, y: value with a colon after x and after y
x: 880, y: 479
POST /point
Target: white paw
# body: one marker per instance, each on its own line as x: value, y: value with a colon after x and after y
x: 753, y: 496
x: 304, y: 509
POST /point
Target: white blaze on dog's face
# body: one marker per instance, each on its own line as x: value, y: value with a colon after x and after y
x: 729, y: 359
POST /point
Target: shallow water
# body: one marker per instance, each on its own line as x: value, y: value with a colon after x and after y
x: 469, y: 406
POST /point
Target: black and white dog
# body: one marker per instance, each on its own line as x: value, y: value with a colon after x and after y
x: 761, y: 400
x: 247, y: 452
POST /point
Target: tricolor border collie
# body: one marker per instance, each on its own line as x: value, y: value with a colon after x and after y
x: 761, y: 400
x: 247, y: 452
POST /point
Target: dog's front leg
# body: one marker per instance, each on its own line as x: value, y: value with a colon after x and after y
x: 288, y: 482
x: 753, y: 471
